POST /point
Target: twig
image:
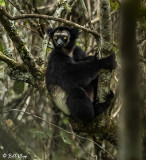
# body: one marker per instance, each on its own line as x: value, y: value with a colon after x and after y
x: 64, y: 130
x: 16, y: 5
x: 20, y: 46
x: 24, y: 16
x: 84, y: 9
x: 14, y: 144
x: 89, y: 8
x: 87, y: 18
x: 13, y: 63
x: 94, y: 48
x: 41, y: 128
x: 93, y: 156
x: 29, y: 29
x: 46, y: 6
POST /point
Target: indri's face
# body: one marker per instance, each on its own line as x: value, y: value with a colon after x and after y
x: 61, y: 38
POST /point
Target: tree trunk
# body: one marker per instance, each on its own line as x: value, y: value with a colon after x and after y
x: 106, y: 47
x: 131, y: 110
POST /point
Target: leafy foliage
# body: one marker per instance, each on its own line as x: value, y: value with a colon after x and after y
x: 2, y: 2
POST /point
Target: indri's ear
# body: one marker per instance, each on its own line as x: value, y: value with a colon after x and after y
x: 74, y: 32
x: 50, y: 32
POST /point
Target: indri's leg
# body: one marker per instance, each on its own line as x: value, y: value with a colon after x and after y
x: 101, y: 107
x: 80, y: 106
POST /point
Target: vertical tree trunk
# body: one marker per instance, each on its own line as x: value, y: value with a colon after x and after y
x: 106, y: 47
x: 131, y: 109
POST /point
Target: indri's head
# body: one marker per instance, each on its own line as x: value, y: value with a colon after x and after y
x: 63, y: 37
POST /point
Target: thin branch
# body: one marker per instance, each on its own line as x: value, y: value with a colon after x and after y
x: 63, y: 130
x: 46, y: 6
x: 16, y: 5
x: 29, y: 29
x: 20, y: 45
x: 84, y: 9
x: 87, y: 18
x: 94, y: 48
x: 13, y: 63
x: 18, y: 71
x: 24, y: 16
x: 92, y: 156
x: 13, y: 144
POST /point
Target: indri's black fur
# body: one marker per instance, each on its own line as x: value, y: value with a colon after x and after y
x: 75, y: 74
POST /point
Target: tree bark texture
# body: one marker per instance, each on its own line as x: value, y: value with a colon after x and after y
x: 106, y: 47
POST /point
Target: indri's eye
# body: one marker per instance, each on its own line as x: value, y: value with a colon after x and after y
x: 64, y: 37
x: 55, y: 37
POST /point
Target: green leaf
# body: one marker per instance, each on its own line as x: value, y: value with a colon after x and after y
x: 142, y: 10
x: 39, y: 133
x: 66, y: 138
x: 18, y: 87
x: 1, y: 47
x: 2, y: 2
x: 114, y: 5
x: 65, y: 121
x: 48, y: 49
x: 77, y: 43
